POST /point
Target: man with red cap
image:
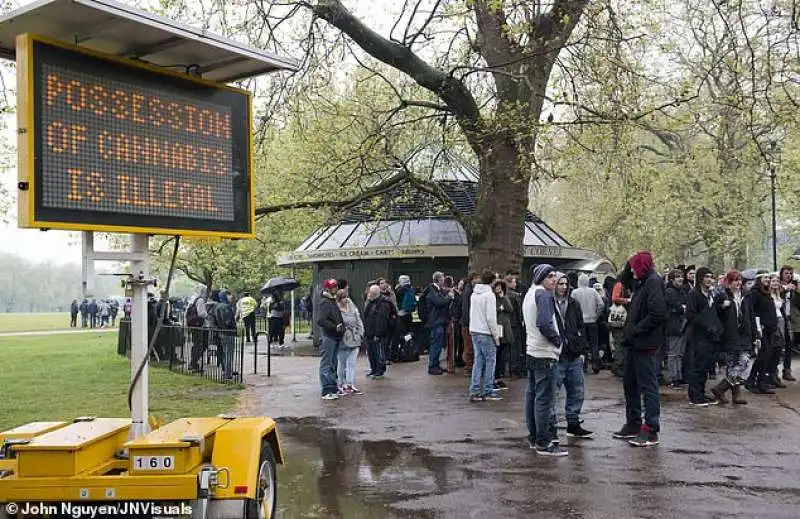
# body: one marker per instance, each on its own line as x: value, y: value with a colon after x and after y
x: 643, y: 336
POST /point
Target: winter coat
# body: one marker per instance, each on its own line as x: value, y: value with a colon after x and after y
x: 763, y: 308
x: 377, y: 318
x: 505, y: 316
x: 329, y: 317
x: 437, y: 306
x: 571, y: 326
x: 737, y: 330
x: 353, y: 336
x: 543, y: 339
x: 647, y: 316
x: 676, y: 299
x: 466, y: 294
x: 705, y: 327
x: 517, y: 320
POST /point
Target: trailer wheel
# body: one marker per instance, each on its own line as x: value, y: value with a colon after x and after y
x: 266, y: 501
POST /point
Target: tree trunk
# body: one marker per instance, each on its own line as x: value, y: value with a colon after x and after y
x: 496, y: 230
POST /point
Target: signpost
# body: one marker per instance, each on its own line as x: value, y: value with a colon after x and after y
x: 108, y: 144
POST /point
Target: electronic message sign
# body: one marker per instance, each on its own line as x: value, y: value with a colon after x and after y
x: 109, y: 144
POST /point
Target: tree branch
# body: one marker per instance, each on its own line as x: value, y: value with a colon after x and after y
x: 338, y: 205
x: 450, y: 90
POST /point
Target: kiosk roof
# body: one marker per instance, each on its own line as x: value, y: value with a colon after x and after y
x: 117, y: 29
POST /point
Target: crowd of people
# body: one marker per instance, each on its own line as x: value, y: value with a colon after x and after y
x: 677, y: 328
x: 94, y: 313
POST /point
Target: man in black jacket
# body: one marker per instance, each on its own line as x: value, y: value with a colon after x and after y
x: 377, y: 330
x: 643, y: 336
x: 437, y: 306
x: 329, y: 319
x: 676, y: 338
x: 705, y: 330
x: 466, y: 294
x: 765, y: 322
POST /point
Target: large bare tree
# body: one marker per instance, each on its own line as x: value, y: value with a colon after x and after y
x: 512, y: 46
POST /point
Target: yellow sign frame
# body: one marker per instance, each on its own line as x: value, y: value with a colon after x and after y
x: 26, y: 217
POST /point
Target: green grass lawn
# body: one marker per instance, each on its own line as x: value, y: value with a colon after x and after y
x: 37, y: 322
x: 60, y: 377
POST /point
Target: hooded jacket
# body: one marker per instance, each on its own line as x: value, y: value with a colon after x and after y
x: 329, y: 317
x: 483, y: 311
x: 647, y: 312
x: 571, y: 327
x: 676, y: 299
x: 704, y: 324
x: 591, y: 303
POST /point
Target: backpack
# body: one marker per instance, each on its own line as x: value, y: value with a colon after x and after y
x: 409, y: 301
x: 193, y: 320
x: 225, y: 315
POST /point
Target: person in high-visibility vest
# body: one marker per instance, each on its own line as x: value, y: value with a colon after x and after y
x: 246, y: 311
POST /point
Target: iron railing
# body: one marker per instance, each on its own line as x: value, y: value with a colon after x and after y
x: 212, y: 353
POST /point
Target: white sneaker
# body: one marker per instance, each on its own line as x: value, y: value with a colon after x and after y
x: 330, y: 396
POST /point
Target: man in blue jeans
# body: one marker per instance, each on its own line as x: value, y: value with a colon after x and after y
x: 437, y: 307
x: 569, y: 370
x: 543, y: 348
x: 329, y: 319
x: 485, y: 333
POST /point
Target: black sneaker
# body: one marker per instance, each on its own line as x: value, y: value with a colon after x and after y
x: 699, y: 403
x: 627, y: 432
x: 647, y: 438
x: 475, y: 398
x: 576, y: 431
x: 436, y: 371
x: 500, y: 386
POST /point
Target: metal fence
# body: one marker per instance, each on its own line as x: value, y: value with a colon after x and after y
x: 212, y: 353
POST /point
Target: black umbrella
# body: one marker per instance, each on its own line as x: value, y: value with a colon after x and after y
x: 280, y: 284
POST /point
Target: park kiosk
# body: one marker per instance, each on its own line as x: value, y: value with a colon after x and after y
x: 127, y: 124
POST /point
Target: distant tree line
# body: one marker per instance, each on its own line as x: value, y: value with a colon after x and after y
x: 26, y: 286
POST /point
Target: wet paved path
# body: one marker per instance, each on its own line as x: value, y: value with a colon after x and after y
x: 412, y: 446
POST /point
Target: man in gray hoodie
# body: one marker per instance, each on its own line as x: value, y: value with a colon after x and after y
x: 543, y: 348
x: 592, y: 305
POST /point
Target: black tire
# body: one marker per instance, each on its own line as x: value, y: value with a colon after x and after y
x: 267, y: 468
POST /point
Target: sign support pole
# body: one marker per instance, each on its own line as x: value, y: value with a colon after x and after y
x: 139, y: 343
x: 87, y: 264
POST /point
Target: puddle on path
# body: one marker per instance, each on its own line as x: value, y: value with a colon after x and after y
x: 331, y: 474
